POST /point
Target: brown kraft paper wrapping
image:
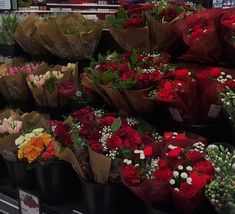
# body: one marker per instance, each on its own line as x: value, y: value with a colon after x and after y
x: 67, y: 155
x: 117, y: 98
x: 3, y: 89
x: 162, y: 35
x: 17, y: 87
x: 25, y: 36
x: 138, y: 101
x: 100, y: 166
x: 132, y: 38
x: 52, y: 98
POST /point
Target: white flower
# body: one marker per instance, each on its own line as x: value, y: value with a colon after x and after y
x: 189, y: 180
x: 184, y: 175
x: 212, y: 146
x: 180, y: 167
x: 129, y: 162
x: 189, y: 168
x: 142, y: 156
x: 172, y: 181
x: 136, y: 151
x: 136, y: 165
x: 175, y: 174
x: 19, y: 140
x: 217, y: 169
x: 229, y: 76
x: 38, y: 130
x: 176, y: 189
x: 233, y: 166
x: 125, y: 160
x: 175, y: 133
x: 222, y: 73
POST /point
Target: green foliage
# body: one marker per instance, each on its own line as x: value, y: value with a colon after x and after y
x: 119, y: 20
x: 8, y: 25
x: 50, y: 85
x: 116, y: 125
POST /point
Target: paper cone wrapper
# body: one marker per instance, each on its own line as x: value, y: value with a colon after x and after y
x: 100, y: 166
x: 132, y: 38
x: 4, y: 89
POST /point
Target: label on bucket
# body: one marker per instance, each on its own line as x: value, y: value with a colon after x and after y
x: 214, y: 111
x: 176, y: 114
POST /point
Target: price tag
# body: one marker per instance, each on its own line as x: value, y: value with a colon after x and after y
x: 214, y: 111
x: 5, y: 4
x: 176, y: 114
x: 28, y: 203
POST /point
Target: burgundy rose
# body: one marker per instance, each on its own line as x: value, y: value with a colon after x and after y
x: 130, y: 174
x: 114, y: 142
x: 62, y: 131
x: 96, y: 146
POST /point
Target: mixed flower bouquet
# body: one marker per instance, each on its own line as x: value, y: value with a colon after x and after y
x: 174, y: 168
x: 12, y: 81
x: 221, y: 190
x: 123, y: 79
x: 44, y: 84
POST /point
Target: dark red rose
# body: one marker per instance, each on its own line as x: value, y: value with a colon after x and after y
x: 167, y: 135
x: 61, y: 131
x: 67, y: 89
x: 106, y: 121
x: 146, y: 139
x: 114, y: 142
x: 163, y: 164
x: 163, y: 175
x: 68, y: 140
x: 128, y: 75
x: 174, y: 153
x: 204, y: 167
x: 83, y: 114
x: 181, y: 137
x: 230, y: 84
x: 148, y: 151
x: 182, y: 74
x: 96, y: 146
x: 186, y: 190
x: 85, y: 132
x: 198, y: 182
x: 194, y: 155
x: 129, y: 174
x: 134, y: 22
x: 215, y: 72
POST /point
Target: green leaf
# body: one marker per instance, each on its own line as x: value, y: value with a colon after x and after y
x: 122, y: 14
x: 108, y: 76
x: 134, y: 58
x: 180, y: 9
x: 75, y: 137
x: 50, y: 85
x: 116, y: 125
x: 96, y: 75
x: 145, y: 126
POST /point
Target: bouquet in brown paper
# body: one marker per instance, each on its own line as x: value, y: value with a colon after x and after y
x: 69, y: 37
x: 25, y: 36
x: 44, y: 84
x: 12, y: 81
x: 124, y: 79
x: 13, y: 124
x: 129, y: 31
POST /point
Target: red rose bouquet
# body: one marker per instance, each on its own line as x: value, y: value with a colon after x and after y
x: 199, y: 33
x: 125, y: 27
x: 153, y: 175
x: 228, y: 34
x: 124, y: 79
x: 178, y: 91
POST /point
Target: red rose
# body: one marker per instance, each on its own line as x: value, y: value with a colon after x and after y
x: 68, y: 140
x: 83, y: 114
x: 96, y: 146
x: 128, y: 75
x: 181, y: 137
x: 67, y: 89
x: 146, y: 139
x: 163, y: 164
x: 230, y: 84
x: 174, y: 153
x: 194, y: 155
x: 106, y: 121
x: 61, y: 131
x: 163, y: 175
x: 182, y: 73
x: 186, y: 190
x: 198, y: 182
x: 215, y: 72
x: 85, y: 132
x: 204, y: 167
x: 148, y: 151
x: 129, y: 174
x: 168, y: 135
x: 114, y: 142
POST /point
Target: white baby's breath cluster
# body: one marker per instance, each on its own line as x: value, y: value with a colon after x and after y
x: 199, y: 147
x: 98, y: 113
x: 151, y: 166
x: 132, y: 121
x: 152, y: 93
x: 23, y: 139
x: 106, y: 133
x: 149, y: 70
x: 181, y: 174
x: 157, y: 137
x: 224, y: 77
